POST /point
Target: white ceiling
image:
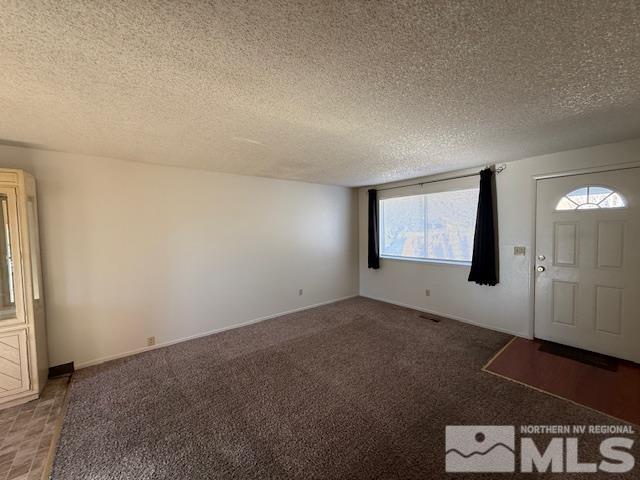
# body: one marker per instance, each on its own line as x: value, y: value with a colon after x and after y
x: 348, y: 93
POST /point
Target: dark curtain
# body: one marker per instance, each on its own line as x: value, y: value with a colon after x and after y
x: 484, y: 265
x: 374, y: 238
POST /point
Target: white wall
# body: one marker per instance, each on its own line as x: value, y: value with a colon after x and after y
x: 507, y: 306
x: 132, y: 250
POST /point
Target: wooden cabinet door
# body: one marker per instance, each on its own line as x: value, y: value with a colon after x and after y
x: 14, y: 366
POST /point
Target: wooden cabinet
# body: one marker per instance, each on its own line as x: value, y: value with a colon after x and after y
x: 23, y: 345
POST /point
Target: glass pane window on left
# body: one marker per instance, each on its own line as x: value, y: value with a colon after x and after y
x: 403, y: 226
x: 7, y: 288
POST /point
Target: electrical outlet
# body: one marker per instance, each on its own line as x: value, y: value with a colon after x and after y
x: 151, y: 341
x: 300, y: 292
x: 427, y: 292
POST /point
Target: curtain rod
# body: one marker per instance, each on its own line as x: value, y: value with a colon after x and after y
x: 499, y: 169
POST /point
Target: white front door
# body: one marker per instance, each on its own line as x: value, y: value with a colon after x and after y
x: 587, y: 291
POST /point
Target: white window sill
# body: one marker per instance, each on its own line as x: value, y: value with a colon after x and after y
x: 428, y: 260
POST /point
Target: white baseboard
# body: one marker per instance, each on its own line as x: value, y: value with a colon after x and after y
x: 204, y: 334
x: 447, y: 315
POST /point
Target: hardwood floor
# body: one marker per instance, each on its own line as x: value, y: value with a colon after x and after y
x: 616, y: 393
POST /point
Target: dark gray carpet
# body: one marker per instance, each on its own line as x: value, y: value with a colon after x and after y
x: 354, y: 390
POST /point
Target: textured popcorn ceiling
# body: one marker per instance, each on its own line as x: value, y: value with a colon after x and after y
x: 348, y: 93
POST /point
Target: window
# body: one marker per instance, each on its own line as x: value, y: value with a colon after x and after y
x: 435, y: 226
x: 7, y: 289
x: 591, y: 197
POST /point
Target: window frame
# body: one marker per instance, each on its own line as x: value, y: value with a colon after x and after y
x: 425, y: 260
x: 457, y: 263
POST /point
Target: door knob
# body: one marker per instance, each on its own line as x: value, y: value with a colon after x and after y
x: 541, y: 268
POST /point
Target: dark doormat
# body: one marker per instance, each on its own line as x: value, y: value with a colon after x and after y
x: 584, y: 356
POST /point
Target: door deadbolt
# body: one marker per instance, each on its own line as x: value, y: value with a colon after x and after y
x: 541, y: 268
x: 541, y: 257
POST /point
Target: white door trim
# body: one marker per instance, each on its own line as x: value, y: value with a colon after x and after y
x: 588, y: 170
x: 534, y: 199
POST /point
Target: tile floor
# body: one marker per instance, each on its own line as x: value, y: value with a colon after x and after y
x: 26, y: 432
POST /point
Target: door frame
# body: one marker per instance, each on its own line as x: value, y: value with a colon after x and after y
x: 532, y: 262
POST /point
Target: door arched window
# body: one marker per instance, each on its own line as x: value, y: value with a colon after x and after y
x: 591, y: 197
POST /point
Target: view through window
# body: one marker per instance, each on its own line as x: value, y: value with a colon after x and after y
x: 434, y: 226
x: 590, y: 198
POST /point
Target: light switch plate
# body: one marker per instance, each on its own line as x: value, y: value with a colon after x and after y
x: 519, y: 250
